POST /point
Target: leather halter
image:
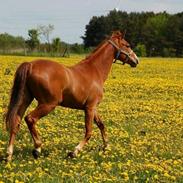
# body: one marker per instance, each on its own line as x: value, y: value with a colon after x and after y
x: 120, y: 50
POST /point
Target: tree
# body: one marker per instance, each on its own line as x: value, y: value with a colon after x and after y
x: 140, y: 50
x: 77, y: 48
x: 174, y: 34
x: 160, y: 33
x: 9, y: 42
x: 134, y: 27
x: 33, y: 40
x: 99, y: 27
x: 56, y: 45
x: 95, y: 31
x: 117, y: 20
x: 154, y: 33
x: 45, y: 31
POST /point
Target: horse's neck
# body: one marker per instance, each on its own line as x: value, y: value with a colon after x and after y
x: 102, y: 60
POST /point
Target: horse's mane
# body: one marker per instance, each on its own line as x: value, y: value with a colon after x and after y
x: 115, y: 34
x: 96, y: 49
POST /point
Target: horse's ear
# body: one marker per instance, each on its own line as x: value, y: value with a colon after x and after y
x: 116, y: 33
x: 123, y: 33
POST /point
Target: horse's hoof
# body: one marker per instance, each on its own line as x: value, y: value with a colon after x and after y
x: 71, y: 155
x: 36, y: 154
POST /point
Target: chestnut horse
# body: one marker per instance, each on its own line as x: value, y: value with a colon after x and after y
x: 78, y: 87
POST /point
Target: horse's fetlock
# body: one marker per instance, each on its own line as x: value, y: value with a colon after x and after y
x: 88, y: 136
x: 38, y: 144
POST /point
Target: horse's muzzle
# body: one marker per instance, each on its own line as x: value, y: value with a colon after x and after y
x: 134, y: 62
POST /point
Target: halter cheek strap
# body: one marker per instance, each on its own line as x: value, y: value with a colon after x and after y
x: 117, y: 55
x: 119, y: 51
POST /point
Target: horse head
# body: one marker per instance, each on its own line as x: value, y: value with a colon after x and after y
x: 123, y: 51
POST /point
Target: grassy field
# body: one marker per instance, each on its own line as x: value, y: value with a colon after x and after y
x: 143, y: 112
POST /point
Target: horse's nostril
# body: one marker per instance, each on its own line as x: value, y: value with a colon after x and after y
x: 134, y: 65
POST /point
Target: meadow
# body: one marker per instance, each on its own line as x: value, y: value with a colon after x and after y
x: 143, y: 113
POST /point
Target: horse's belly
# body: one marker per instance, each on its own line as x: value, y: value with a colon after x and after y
x: 71, y: 101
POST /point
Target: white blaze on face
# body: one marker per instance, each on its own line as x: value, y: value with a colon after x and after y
x: 136, y: 57
x: 132, y: 53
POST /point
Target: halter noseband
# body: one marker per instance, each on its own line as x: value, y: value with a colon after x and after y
x: 119, y: 51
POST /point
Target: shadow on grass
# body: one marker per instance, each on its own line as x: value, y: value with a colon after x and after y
x: 2, y: 158
x: 26, y: 152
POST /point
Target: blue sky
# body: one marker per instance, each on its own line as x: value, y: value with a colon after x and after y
x: 69, y: 17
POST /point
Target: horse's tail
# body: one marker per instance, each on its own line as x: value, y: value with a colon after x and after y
x: 17, y: 95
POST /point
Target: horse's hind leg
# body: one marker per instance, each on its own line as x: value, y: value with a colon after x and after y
x: 31, y: 119
x: 101, y: 126
x: 25, y: 103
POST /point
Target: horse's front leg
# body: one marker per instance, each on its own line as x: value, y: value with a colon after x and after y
x: 89, y: 116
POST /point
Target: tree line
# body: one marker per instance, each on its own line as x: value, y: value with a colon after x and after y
x: 149, y: 33
x: 38, y: 43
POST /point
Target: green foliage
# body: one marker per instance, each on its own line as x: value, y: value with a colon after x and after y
x: 8, y: 42
x: 174, y: 33
x: 96, y: 31
x: 140, y: 50
x: 154, y: 33
x: 77, y: 48
x: 56, y: 45
x: 160, y: 33
x: 33, y: 40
